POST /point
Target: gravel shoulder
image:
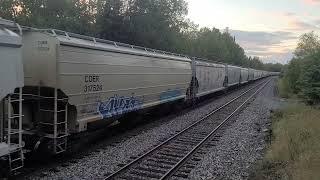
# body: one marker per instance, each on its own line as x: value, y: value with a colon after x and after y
x: 109, y: 155
x: 243, y: 143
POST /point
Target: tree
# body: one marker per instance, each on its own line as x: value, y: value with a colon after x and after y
x: 110, y: 22
x: 293, y: 73
x: 274, y: 67
x: 309, y: 44
x: 303, y: 72
x: 309, y: 80
x: 158, y: 24
x: 70, y: 15
x: 151, y: 23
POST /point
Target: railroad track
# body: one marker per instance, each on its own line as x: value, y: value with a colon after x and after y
x: 178, y: 155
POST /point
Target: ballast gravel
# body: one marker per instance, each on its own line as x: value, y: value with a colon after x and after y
x: 243, y: 143
x: 109, y: 155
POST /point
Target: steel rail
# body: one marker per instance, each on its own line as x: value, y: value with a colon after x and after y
x: 111, y: 176
x: 186, y: 157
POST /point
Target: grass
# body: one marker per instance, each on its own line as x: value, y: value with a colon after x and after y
x: 284, y: 88
x: 294, y: 152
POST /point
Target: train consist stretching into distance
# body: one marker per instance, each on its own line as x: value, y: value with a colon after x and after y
x: 55, y: 84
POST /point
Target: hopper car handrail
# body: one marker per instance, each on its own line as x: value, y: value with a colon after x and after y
x: 209, y: 61
x: 10, y: 24
x: 56, y: 32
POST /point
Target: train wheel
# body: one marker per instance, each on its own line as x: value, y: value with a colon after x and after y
x: 4, y: 170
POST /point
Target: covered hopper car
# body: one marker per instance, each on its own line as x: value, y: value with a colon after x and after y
x: 244, y: 77
x: 234, y: 74
x: 76, y: 80
x: 210, y: 77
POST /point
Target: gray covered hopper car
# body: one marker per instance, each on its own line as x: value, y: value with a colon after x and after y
x: 244, y: 75
x: 251, y: 74
x: 211, y: 77
x: 97, y: 79
x: 256, y: 74
x: 234, y: 74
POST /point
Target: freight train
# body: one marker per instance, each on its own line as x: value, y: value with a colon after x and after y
x: 55, y: 84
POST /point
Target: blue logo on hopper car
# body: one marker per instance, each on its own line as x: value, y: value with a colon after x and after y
x: 170, y: 94
x: 118, y: 105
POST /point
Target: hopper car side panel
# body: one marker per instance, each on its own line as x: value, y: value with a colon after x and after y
x: 233, y: 75
x: 251, y: 74
x: 11, y: 69
x: 260, y: 74
x: 103, y: 80
x: 210, y: 77
x: 244, y: 75
x: 256, y: 74
x: 40, y: 59
x: 103, y: 84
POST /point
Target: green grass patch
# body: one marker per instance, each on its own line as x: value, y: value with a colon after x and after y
x: 294, y: 152
x: 284, y: 88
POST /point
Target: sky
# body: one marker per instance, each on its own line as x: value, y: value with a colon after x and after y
x: 264, y: 28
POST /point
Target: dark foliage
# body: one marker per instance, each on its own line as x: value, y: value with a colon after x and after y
x: 303, y: 72
x: 158, y: 24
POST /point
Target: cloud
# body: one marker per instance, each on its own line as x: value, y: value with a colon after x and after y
x: 317, y: 22
x: 266, y: 45
x: 311, y: 2
x: 282, y: 58
x: 274, y: 57
x: 297, y: 22
x: 259, y: 39
x: 298, y: 25
x: 290, y: 14
x: 276, y: 45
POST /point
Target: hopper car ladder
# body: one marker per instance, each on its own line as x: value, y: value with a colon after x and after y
x: 11, y: 144
x: 55, y: 120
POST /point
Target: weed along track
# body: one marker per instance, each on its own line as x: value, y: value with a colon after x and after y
x: 178, y: 155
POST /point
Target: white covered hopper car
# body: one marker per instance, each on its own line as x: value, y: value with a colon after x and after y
x: 210, y: 77
x: 244, y: 78
x: 77, y: 80
x: 234, y: 74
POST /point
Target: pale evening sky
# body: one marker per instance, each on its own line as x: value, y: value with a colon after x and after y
x: 268, y: 29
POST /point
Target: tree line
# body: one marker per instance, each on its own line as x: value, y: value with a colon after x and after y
x: 302, y: 74
x: 158, y: 24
